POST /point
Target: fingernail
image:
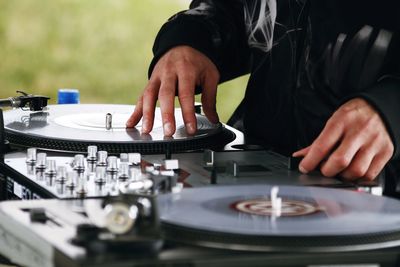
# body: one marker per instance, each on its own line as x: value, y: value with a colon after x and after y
x: 302, y: 170
x: 168, y: 129
x: 190, y: 128
x: 145, y: 127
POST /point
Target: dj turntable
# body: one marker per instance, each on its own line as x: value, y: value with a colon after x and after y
x: 105, y: 195
x: 72, y: 128
x: 207, y: 226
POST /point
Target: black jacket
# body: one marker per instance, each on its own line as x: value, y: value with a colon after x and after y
x: 324, y: 53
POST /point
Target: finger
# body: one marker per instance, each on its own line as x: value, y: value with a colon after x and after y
x: 343, y: 156
x: 377, y: 165
x: 209, y: 97
x: 136, y: 115
x: 321, y: 147
x: 166, y: 98
x: 360, y: 164
x: 149, y: 104
x: 186, y: 86
x: 302, y: 152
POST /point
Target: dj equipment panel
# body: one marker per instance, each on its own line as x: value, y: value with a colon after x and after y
x: 97, y: 194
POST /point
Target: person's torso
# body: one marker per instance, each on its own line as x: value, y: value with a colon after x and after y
x: 322, y: 53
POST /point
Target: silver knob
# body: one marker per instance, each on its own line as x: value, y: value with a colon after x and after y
x: 108, y: 121
x: 102, y: 158
x: 92, y: 153
x: 101, y: 175
x: 135, y: 173
x: 134, y: 186
x: 123, y: 157
x: 61, y: 175
x: 41, y: 161
x: 81, y: 189
x: 124, y: 171
x: 51, y: 167
x: 71, y: 180
x: 112, y: 164
x: 149, y: 169
x: 79, y: 163
x: 171, y: 164
x: 134, y: 158
x: 31, y: 156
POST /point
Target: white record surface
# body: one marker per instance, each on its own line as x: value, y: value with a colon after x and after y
x: 87, y: 123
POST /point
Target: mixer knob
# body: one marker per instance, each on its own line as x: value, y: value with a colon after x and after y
x: 91, y: 153
x: 100, y: 175
x: 171, y: 164
x: 112, y: 164
x: 149, y: 169
x: 79, y: 163
x: 31, y: 156
x: 81, y: 188
x: 61, y: 175
x: 71, y: 180
x: 136, y: 173
x: 102, y: 158
x: 123, y: 157
x: 124, y: 171
x: 51, y: 167
x: 134, y: 158
x: 136, y: 186
x: 41, y: 161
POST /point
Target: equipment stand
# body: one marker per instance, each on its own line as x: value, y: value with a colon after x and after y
x: 2, y: 137
x: 3, y: 150
x: 3, y: 142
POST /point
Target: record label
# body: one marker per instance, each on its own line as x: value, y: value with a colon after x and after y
x: 264, y: 207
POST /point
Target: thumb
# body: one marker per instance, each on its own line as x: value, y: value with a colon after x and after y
x: 302, y: 152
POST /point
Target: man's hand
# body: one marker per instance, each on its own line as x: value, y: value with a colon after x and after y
x: 179, y: 71
x: 354, y: 144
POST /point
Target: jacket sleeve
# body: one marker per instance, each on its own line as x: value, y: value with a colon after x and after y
x: 385, y: 97
x: 384, y: 94
x: 215, y: 28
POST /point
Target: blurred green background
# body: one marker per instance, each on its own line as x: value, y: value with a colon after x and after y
x: 101, y: 47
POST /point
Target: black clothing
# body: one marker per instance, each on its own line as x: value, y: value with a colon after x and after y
x: 324, y: 53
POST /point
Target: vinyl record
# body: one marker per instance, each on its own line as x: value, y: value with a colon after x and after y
x: 74, y: 127
x: 310, y: 219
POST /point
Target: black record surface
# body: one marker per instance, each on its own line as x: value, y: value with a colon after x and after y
x: 73, y: 127
x: 312, y: 219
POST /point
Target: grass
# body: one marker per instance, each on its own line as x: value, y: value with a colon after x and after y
x: 101, y: 47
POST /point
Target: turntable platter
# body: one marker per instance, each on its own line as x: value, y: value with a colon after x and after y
x: 73, y: 127
x: 311, y: 219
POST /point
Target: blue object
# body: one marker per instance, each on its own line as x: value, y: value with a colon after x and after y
x: 68, y: 96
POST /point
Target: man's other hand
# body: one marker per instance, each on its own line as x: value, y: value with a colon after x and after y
x: 178, y: 72
x: 354, y: 144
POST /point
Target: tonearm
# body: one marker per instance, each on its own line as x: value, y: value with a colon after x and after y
x: 24, y: 101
